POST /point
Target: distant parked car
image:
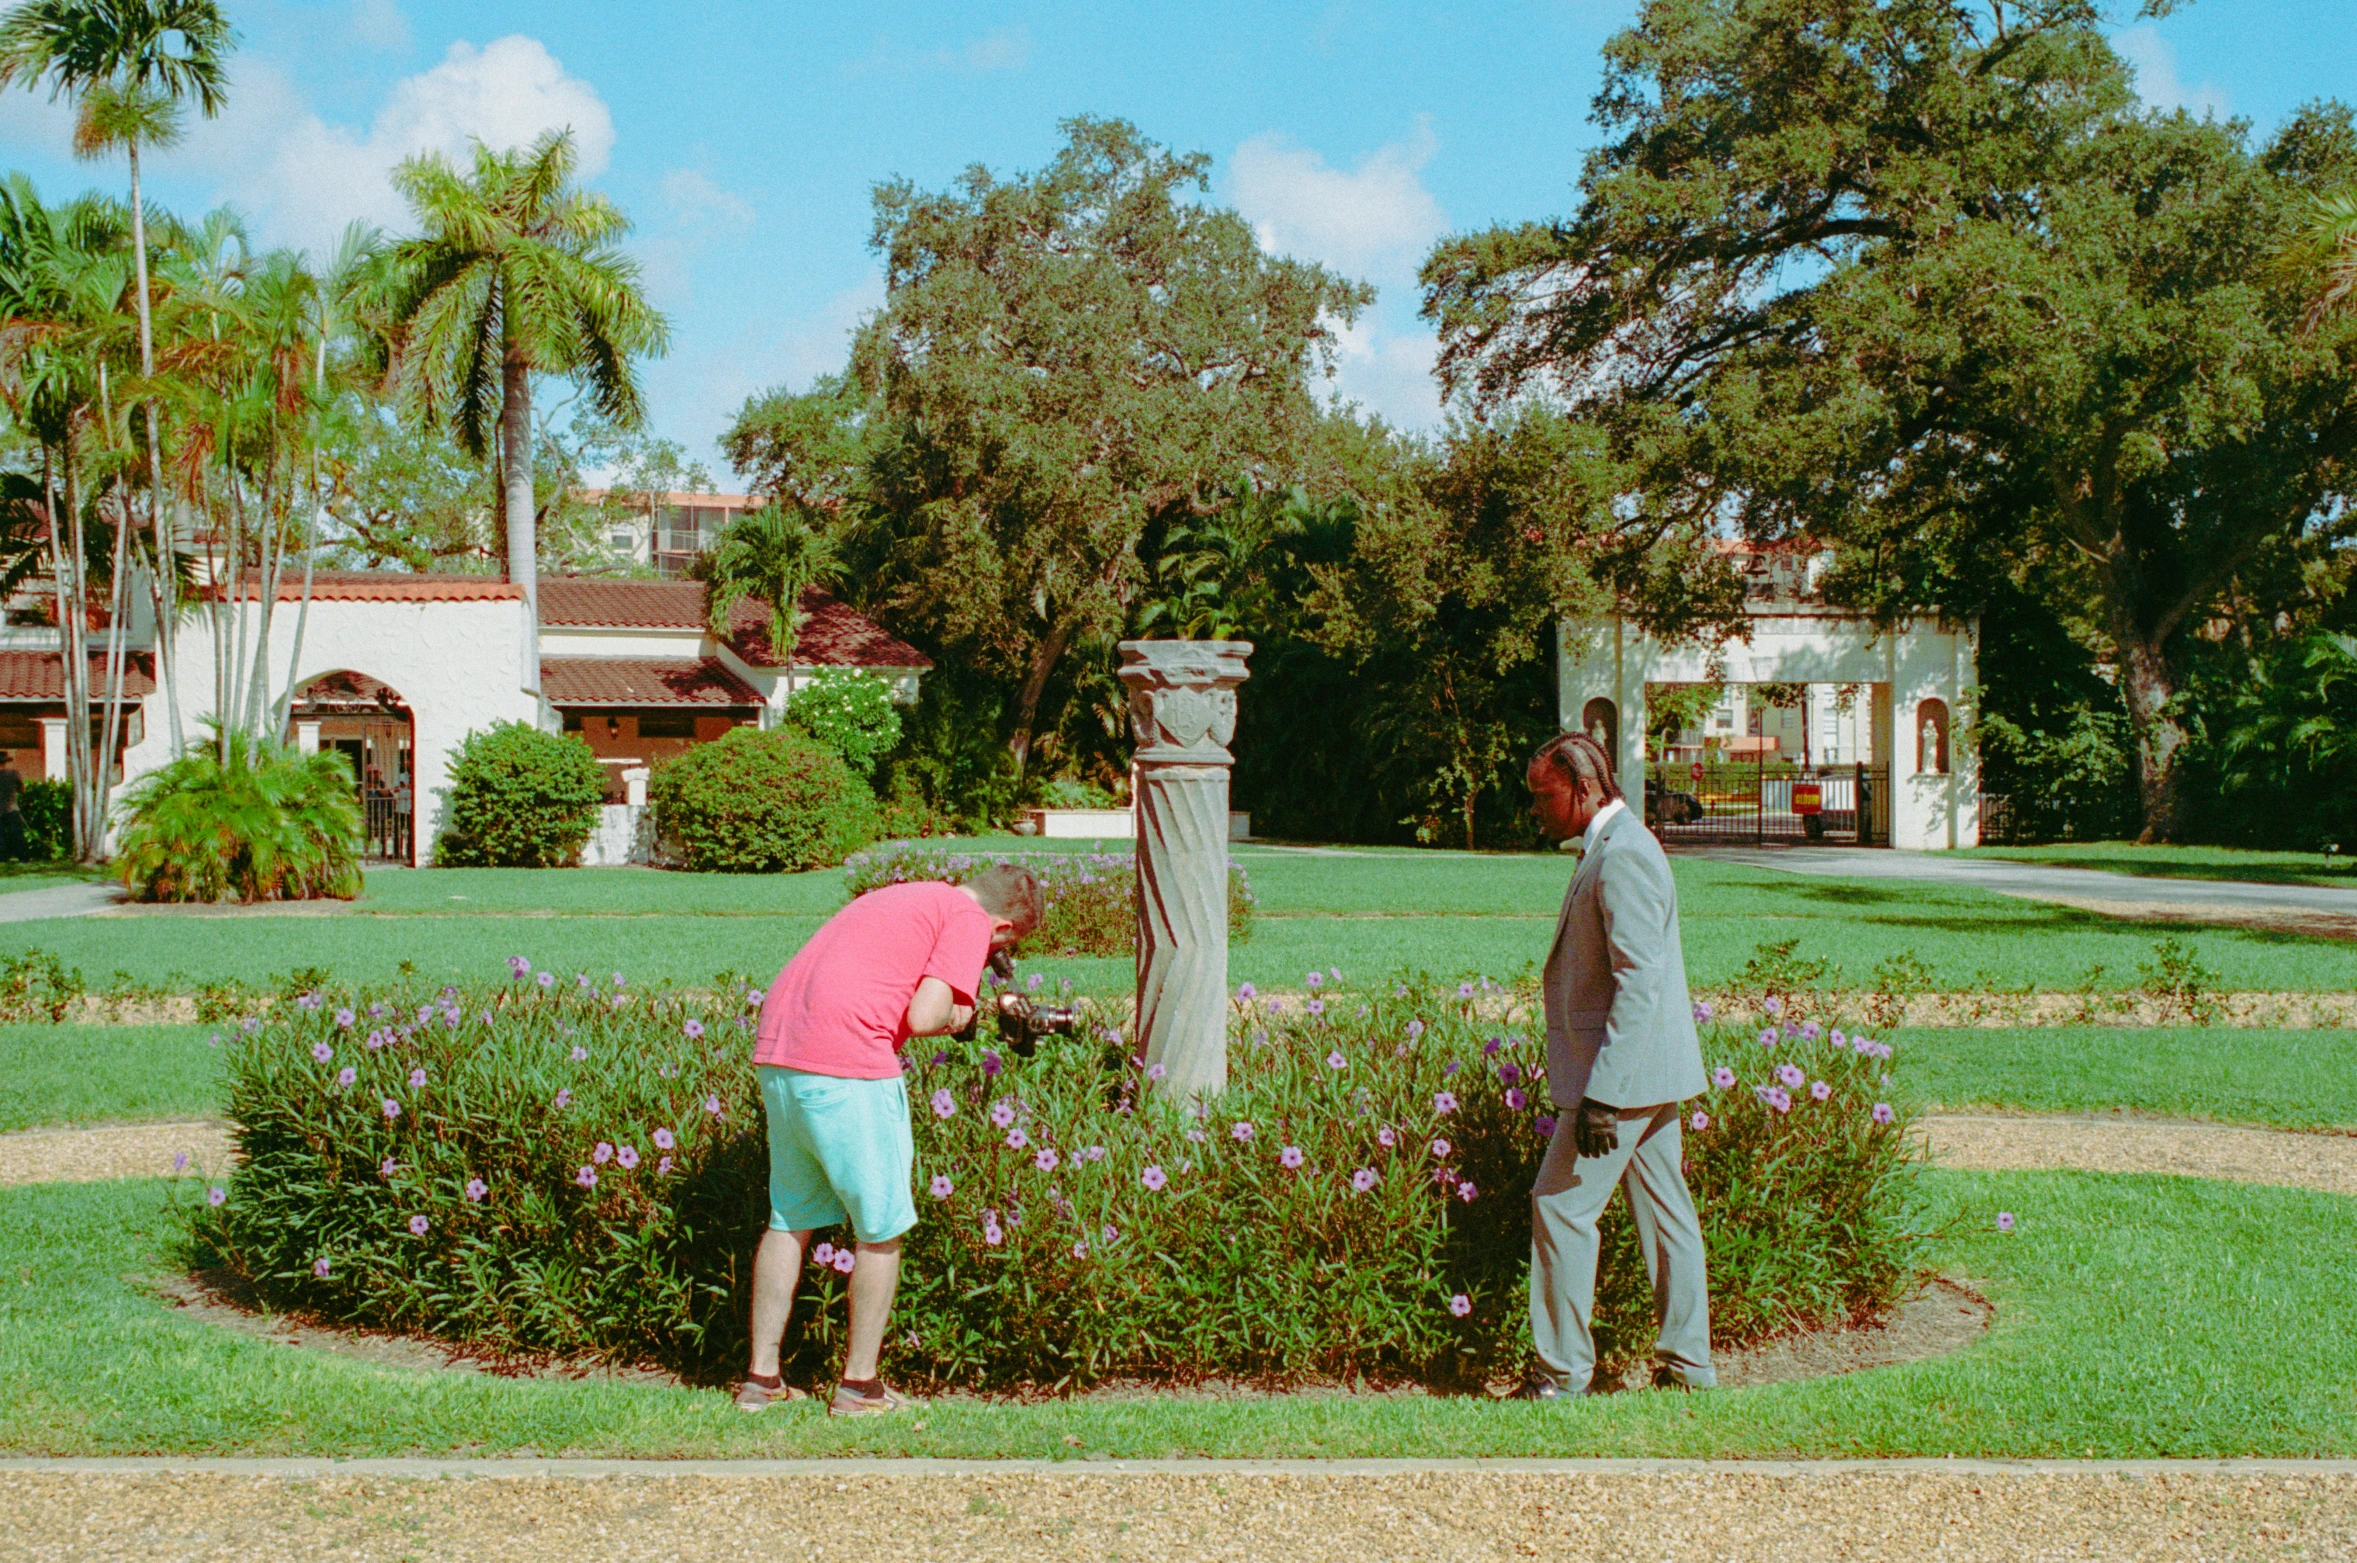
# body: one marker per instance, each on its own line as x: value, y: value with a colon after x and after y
x: 1664, y: 806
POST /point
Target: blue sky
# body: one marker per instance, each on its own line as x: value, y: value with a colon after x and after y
x: 744, y: 138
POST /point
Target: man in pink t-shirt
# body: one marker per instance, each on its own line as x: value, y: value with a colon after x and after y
x: 901, y: 961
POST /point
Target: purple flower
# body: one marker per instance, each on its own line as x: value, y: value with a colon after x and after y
x: 1080, y: 1250
x: 564, y: 1097
x: 941, y: 1186
x: 1490, y: 1048
x: 1240, y: 1131
x: 548, y: 979
x: 518, y: 966
x: 1789, y: 1075
x: 1315, y: 980
x: 943, y: 1104
x: 617, y: 979
x: 344, y: 1019
x: 310, y: 1001
x: 250, y: 1025
x: 1451, y: 1067
x: 320, y: 1267
x: 1156, y: 1072
x: 2004, y: 1218
x: 940, y: 1057
x: 844, y: 1260
x: 179, y: 1162
x: 663, y: 1166
x: 347, y: 1076
x: 626, y: 1156
x: 1545, y: 1125
x: 1047, y: 1158
x: 1773, y: 1005
x: 586, y: 1177
x: 1031, y: 983
x: 1363, y: 1179
x: 1385, y: 1138
x: 1883, y: 1113
x: 1515, y: 1100
x: 1460, y: 1305
x: 1444, y: 1102
x: 1315, y: 1007
x: 1467, y: 1192
x: 1440, y: 1148
x: 1810, y: 1030
x: 1768, y: 1037
x: 664, y: 1140
x: 1153, y: 1178
x: 1820, y: 1091
x: 387, y: 1167
x: 476, y: 1188
x: 1464, y: 990
x: 1017, y: 1139
x: 1415, y: 1029
x: 322, y: 1052
x: 1837, y: 1039
x: 1775, y: 1096
x: 418, y: 1225
x: 1290, y: 1156
x: 417, y: 1079
x: 1002, y: 1115
x: 1335, y: 1060
x: 992, y: 1235
x: 1090, y: 1153
x: 602, y: 1154
x: 392, y: 1108
x: 712, y: 1106
x: 1702, y: 1012
x: 694, y: 1029
x: 1722, y: 1077
x: 1246, y: 993
x: 578, y: 1054
x: 216, y: 1196
x: 1700, y: 1122
x: 378, y: 1038
x: 991, y: 1064
x: 1509, y: 1072
x: 823, y: 1254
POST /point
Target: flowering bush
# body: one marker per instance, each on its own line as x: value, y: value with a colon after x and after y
x: 1091, y: 898
x: 565, y: 1166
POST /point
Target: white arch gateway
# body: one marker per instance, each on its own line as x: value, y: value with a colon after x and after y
x: 1917, y: 680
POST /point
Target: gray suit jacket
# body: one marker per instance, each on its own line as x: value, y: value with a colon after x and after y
x: 1620, y: 1025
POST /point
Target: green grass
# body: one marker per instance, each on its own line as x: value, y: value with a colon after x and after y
x: 2174, y: 862
x: 2080, y: 1362
x: 45, y: 876
x: 1368, y: 912
x: 106, y: 1074
x: 2287, y: 1079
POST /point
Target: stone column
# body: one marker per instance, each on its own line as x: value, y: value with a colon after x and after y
x: 1182, y: 707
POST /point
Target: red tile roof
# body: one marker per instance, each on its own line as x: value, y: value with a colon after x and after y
x: 40, y: 676
x: 642, y: 681
x: 391, y: 586
x: 833, y: 633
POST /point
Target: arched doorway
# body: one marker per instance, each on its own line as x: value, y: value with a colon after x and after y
x: 367, y: 722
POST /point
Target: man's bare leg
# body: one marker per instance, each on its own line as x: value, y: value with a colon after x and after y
x: 777, y: 1266
x: 874, y: 1279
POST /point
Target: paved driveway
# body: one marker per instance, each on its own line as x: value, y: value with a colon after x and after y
x: 25, y: 906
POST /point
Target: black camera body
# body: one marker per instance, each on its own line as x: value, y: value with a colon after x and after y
x: 1023, y: 1020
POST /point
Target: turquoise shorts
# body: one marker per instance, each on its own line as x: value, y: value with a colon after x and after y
x: 839, y: 1150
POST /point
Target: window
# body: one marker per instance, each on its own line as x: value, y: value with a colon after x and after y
x: 622, y: 539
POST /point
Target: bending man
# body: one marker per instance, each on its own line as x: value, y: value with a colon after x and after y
x: 1621, y: 1055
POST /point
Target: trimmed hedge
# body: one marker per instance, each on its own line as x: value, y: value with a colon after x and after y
x: 758, y: 802
x: 566, y: 1166
x: 520, y: 798
x: 48, y: 810
x: 1092, y: 898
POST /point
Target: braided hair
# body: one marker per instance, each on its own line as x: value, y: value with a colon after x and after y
x: 1581, y: 758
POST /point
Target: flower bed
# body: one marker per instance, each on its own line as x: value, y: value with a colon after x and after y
x: 1091, y: 897
x: 567, y: 1166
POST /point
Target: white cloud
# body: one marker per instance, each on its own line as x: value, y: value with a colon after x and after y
x: 301, y: 179
x: 1000, y: 49
x: 2154, y: 60
x: 1376, y: 220
x: 379, y: 24
x: 1388, y: 373
x: 696, y: 201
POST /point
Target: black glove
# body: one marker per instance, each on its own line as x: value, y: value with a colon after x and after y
x: 1595, y: 1130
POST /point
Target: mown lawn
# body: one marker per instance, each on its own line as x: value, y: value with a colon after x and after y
x: 106, y: 1074
x: 2176, y: 862
x: 2136, y: 1317
x: 2287, y: 1079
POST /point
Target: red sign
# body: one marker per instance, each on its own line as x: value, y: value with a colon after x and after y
x: 1807, y: 798
x: 1698, y: 770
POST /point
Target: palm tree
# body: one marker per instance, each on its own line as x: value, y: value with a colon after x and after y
x: 129, y: 65
x: 516, y: 272
x: 774, y: 554
x: 2322, y: 257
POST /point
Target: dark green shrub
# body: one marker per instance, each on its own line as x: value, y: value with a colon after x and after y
x: 35, y: 985
x: 760, y: 803
x: 48, y: 811
x: 1092, y: 898
x: 851, y: 712
x: 266, y: 822
x: 576, y: 1168
x: 520, y: 798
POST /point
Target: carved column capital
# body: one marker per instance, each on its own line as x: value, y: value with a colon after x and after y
x: 1182, y: 698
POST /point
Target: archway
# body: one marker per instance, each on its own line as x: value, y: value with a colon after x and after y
x: 367, y: 722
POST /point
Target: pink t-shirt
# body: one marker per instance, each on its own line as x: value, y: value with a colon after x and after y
x: 841, y: 1005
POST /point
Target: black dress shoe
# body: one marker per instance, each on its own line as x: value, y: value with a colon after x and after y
x: 1666, y: 1378
x: 1546, y: 1390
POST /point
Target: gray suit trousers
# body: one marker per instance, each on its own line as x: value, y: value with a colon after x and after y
x: 1565, y: 1204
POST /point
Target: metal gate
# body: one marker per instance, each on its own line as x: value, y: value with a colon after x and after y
x: 1731, y: 802
x: 379, y: 754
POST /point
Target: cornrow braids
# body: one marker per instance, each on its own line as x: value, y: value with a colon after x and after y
x: 1581, y: 758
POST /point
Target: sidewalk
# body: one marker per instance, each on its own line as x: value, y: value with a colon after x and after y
x: 26, y: 906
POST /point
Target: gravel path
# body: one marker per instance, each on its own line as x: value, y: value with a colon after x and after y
x: 136, y: 1150
x: 1444, y: 1511
x: 2010, y: 1144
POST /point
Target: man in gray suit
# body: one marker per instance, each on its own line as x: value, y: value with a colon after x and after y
x: 1621, y: 1055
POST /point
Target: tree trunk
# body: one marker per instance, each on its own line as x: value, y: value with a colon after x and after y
x: 1035, y: 683
x: 523, y: 544
x: 2149, y: 686
x: 167, y: 587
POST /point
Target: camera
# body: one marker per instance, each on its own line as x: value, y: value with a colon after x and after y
x: 1023, y: 1020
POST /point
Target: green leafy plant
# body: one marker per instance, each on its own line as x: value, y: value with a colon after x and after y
x: 1775, y: 973
x: 2176, y: 978
x: 520, y: 798
x: 48, y: 811
x: 36, y: 986
x: 1092, y: 898
x: 578, y: 1168
x: 851, y: 712
x: 1897, y: 978
x: 760, y: 803
x: 240, y: 819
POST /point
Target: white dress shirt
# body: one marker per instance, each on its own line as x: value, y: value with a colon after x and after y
x: 1596, y: 825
